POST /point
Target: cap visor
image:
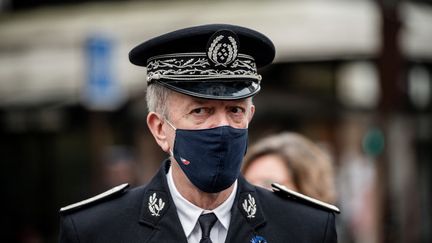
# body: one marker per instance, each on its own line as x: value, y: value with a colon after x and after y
x: 213, y: 89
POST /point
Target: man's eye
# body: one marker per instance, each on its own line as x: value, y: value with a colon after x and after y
x: 199, y: 111
x: 237, y: 110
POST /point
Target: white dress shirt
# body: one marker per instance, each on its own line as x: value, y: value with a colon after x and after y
x: 189, y: 213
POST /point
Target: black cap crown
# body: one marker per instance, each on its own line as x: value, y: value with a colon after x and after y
x: 215, y: 61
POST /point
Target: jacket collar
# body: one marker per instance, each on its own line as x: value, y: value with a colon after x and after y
x: 157, y: 201
x: 249, y: 204
x: 247, y: 214
x: 159, y: 212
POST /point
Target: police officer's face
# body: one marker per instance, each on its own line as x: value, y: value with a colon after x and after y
x: 186, y: 112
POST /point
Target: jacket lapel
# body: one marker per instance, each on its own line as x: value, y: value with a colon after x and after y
x: 160, y: 222
x: 246, y: 215
x: 158, y: 213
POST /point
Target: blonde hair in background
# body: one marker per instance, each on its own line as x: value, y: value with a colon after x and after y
x: 310, y: 166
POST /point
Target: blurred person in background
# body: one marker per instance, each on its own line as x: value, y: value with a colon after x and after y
x: 357, y: 182
x: 119, y: 166
x: 294, y: 161
x: 201, y: 81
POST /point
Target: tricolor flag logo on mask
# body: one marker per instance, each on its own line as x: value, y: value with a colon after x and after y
x: 184, y: 161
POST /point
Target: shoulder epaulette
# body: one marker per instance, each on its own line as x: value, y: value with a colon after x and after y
x: 278, y: 188
x: 111, y: 192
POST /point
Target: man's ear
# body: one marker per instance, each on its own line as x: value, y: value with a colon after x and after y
x: 155, y: 123
x: 251, y: 113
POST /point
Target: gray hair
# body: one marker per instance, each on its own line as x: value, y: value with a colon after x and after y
x: 157, y: 98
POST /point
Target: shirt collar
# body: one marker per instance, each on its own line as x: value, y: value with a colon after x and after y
x: 223, y: 211
x: 189, y: 213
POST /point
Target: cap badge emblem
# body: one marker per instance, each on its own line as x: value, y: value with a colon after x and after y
x: 155, y: 206
x: 249, y: 206
x: 223, y: 48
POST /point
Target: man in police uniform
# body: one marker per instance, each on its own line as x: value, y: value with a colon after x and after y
x: 200, y: 86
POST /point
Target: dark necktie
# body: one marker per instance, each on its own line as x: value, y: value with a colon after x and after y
x: 206, y: 222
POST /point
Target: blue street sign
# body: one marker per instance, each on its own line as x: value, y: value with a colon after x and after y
x: 101, y: 91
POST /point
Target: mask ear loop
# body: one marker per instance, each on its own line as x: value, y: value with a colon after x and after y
x: 170, y: 124
x: 171, y: 153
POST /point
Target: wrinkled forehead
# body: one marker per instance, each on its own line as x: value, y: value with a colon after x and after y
x: 178, y: 103
x: 177, y: 100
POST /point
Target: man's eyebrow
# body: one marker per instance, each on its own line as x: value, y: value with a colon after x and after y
x: 195, y: 101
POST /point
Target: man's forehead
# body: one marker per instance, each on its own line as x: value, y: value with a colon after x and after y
x: 179, y: 98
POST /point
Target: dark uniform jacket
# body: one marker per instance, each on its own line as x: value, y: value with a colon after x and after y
x: 148, y: 214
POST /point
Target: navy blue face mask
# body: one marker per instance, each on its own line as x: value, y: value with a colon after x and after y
x: 210, y: 158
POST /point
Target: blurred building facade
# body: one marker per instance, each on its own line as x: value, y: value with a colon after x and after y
x: 332, y: 81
